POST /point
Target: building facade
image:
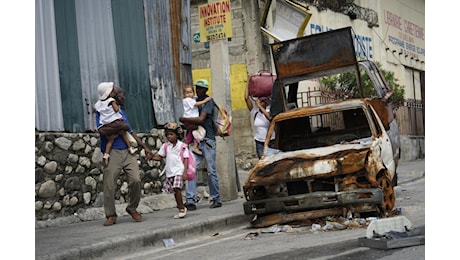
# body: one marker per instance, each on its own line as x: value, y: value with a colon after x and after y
x: 391, y: 33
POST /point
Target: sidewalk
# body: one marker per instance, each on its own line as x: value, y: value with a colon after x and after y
x: 90, y: 239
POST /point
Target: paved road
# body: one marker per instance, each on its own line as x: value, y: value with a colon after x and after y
x: 300, y: 242
x: 91, y: 239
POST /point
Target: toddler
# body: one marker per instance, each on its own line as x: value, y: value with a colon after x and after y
x: 194, y: 132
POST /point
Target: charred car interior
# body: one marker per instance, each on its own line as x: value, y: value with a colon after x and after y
x: 337, y: 158
x: 323, y: 129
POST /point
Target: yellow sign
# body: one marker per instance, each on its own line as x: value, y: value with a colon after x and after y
x: 215, y: 21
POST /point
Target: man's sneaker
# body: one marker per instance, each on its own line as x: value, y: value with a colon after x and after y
x: 190, y: 206
x: 135, y: 215
x: 215, y: 204
x: 110, y: 221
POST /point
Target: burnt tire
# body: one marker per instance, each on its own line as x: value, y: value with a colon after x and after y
x: 389, y: 197
x: 395, y: 180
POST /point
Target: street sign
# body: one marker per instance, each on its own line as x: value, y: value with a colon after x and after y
x: 215, y: 21
x: 196, y: 37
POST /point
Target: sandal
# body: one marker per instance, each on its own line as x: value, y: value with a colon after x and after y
x: 181, y: 214
x: 197, y: 151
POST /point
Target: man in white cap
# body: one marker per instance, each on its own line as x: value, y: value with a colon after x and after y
x: 207, y: 147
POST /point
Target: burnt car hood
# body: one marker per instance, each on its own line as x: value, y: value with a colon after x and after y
x: 338, y: 159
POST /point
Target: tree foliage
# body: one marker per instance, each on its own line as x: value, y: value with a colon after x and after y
x: 347, y: 82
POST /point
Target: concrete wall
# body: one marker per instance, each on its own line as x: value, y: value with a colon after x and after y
x: 412, y: 147
x: 247, y: 54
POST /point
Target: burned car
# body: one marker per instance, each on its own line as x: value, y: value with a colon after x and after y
x: 338, y: 158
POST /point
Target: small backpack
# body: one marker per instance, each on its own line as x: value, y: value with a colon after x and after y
x: 191, y: 170
x: 222, y: 121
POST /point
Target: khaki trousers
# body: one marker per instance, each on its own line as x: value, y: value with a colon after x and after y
x: 121, y: 160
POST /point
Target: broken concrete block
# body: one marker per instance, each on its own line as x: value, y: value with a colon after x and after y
x: 381, y: 226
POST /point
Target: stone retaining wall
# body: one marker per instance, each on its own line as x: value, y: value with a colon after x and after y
x: 68, y: 172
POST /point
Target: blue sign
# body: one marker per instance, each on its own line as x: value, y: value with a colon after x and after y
x: 196, y: 37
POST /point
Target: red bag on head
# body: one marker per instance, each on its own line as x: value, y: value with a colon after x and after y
x: 261, y: 84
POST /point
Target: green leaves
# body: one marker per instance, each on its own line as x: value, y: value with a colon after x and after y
x: 347, y: 83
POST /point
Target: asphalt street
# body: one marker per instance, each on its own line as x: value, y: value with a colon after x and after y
x: 90, y: 239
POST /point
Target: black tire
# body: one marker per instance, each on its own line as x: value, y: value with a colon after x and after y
x: 394, y: 181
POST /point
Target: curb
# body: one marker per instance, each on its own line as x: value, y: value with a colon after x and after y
x: 126, y: 244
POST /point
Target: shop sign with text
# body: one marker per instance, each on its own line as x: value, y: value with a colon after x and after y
x: 215, y: 21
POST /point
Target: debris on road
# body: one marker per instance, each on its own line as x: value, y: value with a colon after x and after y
x: 251, y: 236
x: 169, y: 242
x: 390, y: 233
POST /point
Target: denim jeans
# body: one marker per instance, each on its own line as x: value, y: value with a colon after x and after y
x: 208, y: 148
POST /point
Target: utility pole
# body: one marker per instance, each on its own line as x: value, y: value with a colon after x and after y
x: 221, y: 92
x: 220, y: 78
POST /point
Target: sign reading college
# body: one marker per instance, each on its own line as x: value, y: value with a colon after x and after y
x: 215, y: 21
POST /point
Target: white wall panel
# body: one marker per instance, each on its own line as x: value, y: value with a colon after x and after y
x: 97, y: 51
x: 48, y: 107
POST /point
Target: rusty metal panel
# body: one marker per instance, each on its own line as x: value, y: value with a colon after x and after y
x: 181, y: 38
x: 172, y: 42
x: 165, y: 89
x: 96, y: 42
x: 181, y: 47
x: 48, y: 107
x: 185, y: 47
x: 314, y: 55
x: 175, y: 28
x: 186, y: 34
